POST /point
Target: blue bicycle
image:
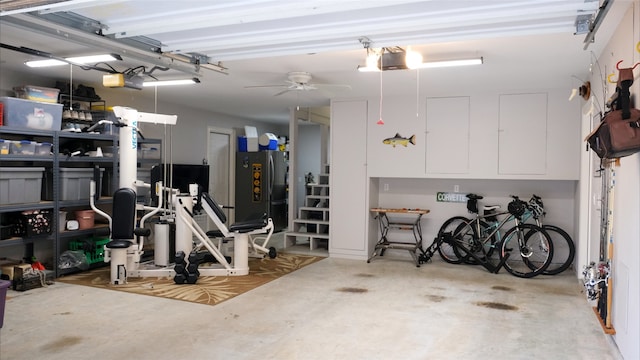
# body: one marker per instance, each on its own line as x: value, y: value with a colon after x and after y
x: 526, y: 250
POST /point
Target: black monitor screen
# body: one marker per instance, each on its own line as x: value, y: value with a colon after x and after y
x: 179, y: 177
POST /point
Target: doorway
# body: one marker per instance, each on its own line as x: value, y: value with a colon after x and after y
x: 220, y: 156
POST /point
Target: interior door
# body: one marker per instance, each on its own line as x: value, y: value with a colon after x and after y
x: 220, y: 172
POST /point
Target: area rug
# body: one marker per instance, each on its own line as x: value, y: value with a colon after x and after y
x: 209, y: 290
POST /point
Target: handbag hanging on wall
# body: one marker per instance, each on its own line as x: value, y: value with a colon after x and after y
x: 618, y: 134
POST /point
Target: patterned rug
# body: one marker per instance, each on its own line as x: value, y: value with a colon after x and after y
x: 208, y: 290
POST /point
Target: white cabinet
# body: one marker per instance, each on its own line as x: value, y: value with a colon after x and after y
x: 348, y: 176
x: 447, y: 140
x: 522, y: 134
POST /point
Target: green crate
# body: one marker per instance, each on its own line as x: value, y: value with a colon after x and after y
x: 93, y: 248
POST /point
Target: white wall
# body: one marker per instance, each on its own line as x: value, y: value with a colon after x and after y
x: 562, y: 132
x: 626, y: 223
x: 557, y: 195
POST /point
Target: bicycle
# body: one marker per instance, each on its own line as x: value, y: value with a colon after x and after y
x: 526, y: 250
x: 564, y: 248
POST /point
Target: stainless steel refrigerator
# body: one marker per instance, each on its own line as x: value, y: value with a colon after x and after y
x: 261, y: 186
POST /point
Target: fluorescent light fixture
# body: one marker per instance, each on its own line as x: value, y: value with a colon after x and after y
x: 426, y: 65
x: 171, y: 82
x: 91, y: 59
x: 368, y: 69
x: 448, y: 63
x: 413, y: 59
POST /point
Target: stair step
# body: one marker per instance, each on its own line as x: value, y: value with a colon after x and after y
x: 313, y: 208
x: 310, y: 221
x: 312, y: 235
x: 290, y: 238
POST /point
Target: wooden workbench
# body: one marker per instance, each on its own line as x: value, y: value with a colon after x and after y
x: 399, y: 222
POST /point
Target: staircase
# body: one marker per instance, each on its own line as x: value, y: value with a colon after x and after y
x: 312, y: 223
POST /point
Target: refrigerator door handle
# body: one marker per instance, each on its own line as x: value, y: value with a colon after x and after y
x: 272, y: 176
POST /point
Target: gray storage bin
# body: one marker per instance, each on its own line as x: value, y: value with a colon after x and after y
x: 75, y: 182
x: 20, y: 185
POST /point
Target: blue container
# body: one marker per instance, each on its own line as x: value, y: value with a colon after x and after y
x: 273, y: 145
x: 3, y: 298
x: 242, y: 144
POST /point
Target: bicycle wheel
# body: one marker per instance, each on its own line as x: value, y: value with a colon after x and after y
x: 529, y: 250
x: 446, y: 248
x: 564, y: 250
x: 477, y: 244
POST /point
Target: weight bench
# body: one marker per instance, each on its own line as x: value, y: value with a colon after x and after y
x: 239, y: 232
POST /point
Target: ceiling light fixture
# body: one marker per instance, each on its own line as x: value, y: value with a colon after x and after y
x: 171, y: 82
x: 448, y: 63
x: 413, y: 59
x: 91, y: 59
x: 397, y: 58
x: 414, y: 62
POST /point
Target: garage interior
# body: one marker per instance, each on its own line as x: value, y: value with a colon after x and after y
x: 299, y: 70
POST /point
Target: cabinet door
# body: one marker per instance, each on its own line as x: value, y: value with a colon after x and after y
x: 348, y: 206
x: 447, y: 140
x: 522, y: 136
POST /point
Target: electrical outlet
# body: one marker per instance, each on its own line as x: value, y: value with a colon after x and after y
x: 456, y: 188
x: 386, y: 187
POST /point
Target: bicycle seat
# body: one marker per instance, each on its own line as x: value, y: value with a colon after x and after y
x: 490, y: 207
x: 474, y: 197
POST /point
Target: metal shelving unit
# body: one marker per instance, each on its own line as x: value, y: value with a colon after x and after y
x: 58, y: 236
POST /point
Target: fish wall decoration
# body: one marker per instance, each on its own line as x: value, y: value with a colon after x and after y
x: 399, y: 140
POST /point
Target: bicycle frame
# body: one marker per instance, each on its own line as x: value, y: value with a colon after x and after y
x: 496, y: 225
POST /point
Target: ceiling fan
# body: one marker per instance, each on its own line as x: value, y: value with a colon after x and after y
x: 301, y: 81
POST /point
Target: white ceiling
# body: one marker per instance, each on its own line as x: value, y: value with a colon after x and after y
x: 525, y: 45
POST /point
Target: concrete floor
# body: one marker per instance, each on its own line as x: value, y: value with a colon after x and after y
x: 333, y: 309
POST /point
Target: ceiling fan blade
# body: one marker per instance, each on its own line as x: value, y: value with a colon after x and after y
x: 283, y: 92
x: 333, y: 86
x: 265, y: 86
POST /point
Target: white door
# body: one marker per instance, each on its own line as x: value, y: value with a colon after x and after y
x: 220, y: 157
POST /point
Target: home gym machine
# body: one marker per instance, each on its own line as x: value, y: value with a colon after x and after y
x: 126, y: 246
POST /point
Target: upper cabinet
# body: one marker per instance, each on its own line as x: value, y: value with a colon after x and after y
x: 490, y: 135
x: 522, y: 134
x: 447, y: 135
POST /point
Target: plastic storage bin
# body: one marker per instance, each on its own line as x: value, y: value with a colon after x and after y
x: 4, y: 146
x: 23, y: 147
x: 75, y: 182
x: 27, y: 114
x: 19, y: 185
x: 43, y: 149
x: 37, y: 93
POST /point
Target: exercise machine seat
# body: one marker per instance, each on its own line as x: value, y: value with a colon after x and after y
x: 123, y: 219
x: 239, y: 227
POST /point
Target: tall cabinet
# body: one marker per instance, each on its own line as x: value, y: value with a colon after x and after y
x: 55, y: 193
